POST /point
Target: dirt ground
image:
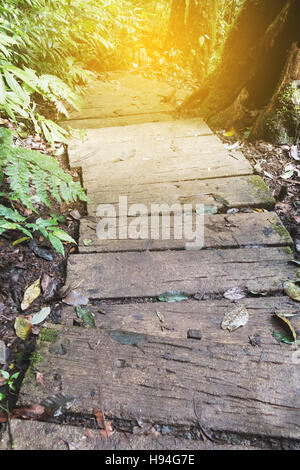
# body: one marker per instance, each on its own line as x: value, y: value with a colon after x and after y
x: 23, y: 264
x: 281, y: 172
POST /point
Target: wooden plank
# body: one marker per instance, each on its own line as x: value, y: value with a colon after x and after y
x: 233, y: 231
x: 157, y: 151
x: 139, y: 156
x: 88, y: 124
x: 32, y: 435
x: 106, y: 108
x: 134, y: 80
x: 148, y: 274
x: 97, y: 140
x: 186, y: 385
x: 186, y: 163
x: 105, y: 100
x: 237, y: 192
x: 127, y: 94
x: 175, y: 320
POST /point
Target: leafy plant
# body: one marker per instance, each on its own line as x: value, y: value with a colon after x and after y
x: 9, y: 379
x: 32, y: 177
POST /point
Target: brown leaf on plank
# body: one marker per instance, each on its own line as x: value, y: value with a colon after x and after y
x: 236, y: 293
x: 287, y: 324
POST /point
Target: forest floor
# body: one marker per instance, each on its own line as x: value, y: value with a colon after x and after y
x: 279, y: 167
x: 21, y: 265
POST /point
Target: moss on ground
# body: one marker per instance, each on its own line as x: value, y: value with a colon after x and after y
x: 35, y: 359
x: 282, y: 124
x: 48, y: 335
x: 261, y: 190
x: 287, y: 250
x: 281, y: 230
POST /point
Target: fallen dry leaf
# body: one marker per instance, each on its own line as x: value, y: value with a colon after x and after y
x: 39, y: 378
x: 235, y: 318
x: 31, y: 293
x: 22, y: 327
x: 287, y: 324
x: 106, y: 429
x: 229, y: 133
x: 99, y: 418
x: 236, y: 293
x: 292, y: 290
x: 33, y: 412
x: 40, y: 316
x: 75, y: 299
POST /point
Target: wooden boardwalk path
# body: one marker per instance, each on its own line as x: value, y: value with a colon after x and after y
x: 144, y: 366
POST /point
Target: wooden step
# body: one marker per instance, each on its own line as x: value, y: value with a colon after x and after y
x: 174, y: 320
x: 126, y: 94
x: 187, y: 162
x: 149, y: 274
x: 84, y: 125
x: 101, y: 142
x: 220, y: 383
x: 225, y: 193
x: 220, y: 230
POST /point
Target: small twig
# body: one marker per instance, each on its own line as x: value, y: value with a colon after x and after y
x: 10, y: 435
x: 292, y: 181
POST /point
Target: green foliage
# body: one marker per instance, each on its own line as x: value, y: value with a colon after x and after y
x: 32, y: 177
x: 20, y: 86
x: 9, y: 382
x: 9, y: 378
x: 46, y: 47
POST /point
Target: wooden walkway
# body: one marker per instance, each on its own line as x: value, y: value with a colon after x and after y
x: 168, y: 369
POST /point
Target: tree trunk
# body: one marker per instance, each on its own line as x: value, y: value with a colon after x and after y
x: 254, y: 57
x: 280, y: 120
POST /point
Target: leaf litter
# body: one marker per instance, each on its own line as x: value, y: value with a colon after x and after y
x: 287, y: 325
x: 75, y: 299
x: 31, y: 294
x: 236, y: 293
x: 292, y: 290
x: 235, y: 318
x: 87, y: 317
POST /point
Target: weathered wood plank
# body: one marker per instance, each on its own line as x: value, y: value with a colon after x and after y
x: 105, y: 108
x: 186, y: 163
x: 240, y: 191
x: 104, y: 100
x: 204, y: 316
x: 99, y: 123
x: 220, y: 230
x: 102, y: 141
x: 183, y: 384
x: 138, y: 159
x: 124, y: 95
x: 147, y: 274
